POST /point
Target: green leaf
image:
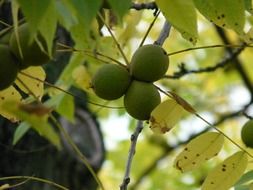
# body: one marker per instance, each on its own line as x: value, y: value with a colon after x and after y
x: 225, y: 13
x: 34, y: 12
x: 48, y: 26
x: 244, y: 187
x: 66, y: 107
x: 65, y: 14
x: 199, y: 150
x: 120, y: 8
x: 20, y: 132
x: 182, y: 15
x: 225, y: 175
x: 86, y: 11
x: 248, y: 6
x: 165, y: 116
x: 63, y: 104
x: 245, y: 178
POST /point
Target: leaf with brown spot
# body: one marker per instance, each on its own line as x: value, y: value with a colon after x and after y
x: 165, y: 116
x: 9, y: 95
x: 199, y: 150
x: 225, y: 175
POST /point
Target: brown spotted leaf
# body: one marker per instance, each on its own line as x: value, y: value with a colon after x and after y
x: 199, y: 150
x: 165, y: 116
x: 226, y: 174
x: 9, y: 95
x: 225, y: 13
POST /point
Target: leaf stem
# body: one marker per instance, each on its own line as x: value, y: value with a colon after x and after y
x: 114, y: 39
x: 149, y: 29
x: 89, y: 53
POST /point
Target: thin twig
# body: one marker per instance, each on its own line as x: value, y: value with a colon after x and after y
x: 184, y: 71
x: 209, y: 47
x: 134, y: 138
x: 114, y: 39
x: 164, y: 34
x: 34, y: 179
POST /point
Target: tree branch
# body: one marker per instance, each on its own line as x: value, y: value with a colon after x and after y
x: 131, y: 153
x: 239, y: 67
x: 184, y: 71
x: 164, y: 34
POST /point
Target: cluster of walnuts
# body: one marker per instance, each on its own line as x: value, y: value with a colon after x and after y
x: 16, y: 55
x: 149, y: 64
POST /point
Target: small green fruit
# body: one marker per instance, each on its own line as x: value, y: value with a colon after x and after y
x: 149, y: 63
x: 8, y: 67
x: 140, y: 99
x: 32, y: 54
x: 111, y: 81
x: 247, y: 133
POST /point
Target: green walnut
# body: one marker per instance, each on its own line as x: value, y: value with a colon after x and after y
x: 8, y: 67
x: 140, y: 99
x: 247, y: 133
x: 32, y: 54
x: 111, y: 81
x: 149, y: 63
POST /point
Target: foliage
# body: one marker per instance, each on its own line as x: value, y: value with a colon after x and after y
x: 201, y: 72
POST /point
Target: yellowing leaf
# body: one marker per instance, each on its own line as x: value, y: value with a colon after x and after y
x: 30, y: 85
x: 182, y: 15
x: 225, y: 13
x: 165, y: 116
x: 226, y: 173
x: 199, y: 150
x: 82, y: 77
x: 9, y: 95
